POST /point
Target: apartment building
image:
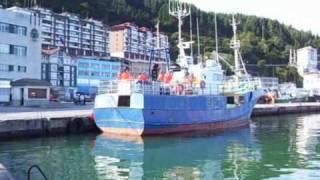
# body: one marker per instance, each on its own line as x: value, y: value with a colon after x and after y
x: 134, y: 43
x: 138, y: 45
x: 78, y: 37
x: 20, y: 47
x: 61, y: 71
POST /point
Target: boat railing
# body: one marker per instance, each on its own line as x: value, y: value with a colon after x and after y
x: 127, y: 87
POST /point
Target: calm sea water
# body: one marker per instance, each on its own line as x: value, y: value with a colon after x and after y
x: 284, y: 147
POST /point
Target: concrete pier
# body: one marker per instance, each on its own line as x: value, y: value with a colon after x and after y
x: 285, y: 108
x: 26, y: 122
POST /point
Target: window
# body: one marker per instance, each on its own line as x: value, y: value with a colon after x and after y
x: 4, y: 49
x: 34, y: 93
x: 124, y: 101
x: 105, y: 74
x: 94, y: 73
x: 106, y: 66
x: 115, y: 67
x: 95, y: 66
x: 22, y: 69
x: 11, y: 68
x: 21, y: 30
x: 66, y: 68
x: 66, y: 76
x: 18, y: 50
x: 14, y: 29
x: 4, y: 68
x: 4, y: 27
x: 54, y: 67
x: 83, y: 73
x: 12, y: 49
x: 83, y: 65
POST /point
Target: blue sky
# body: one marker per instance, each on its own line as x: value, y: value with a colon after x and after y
x: 303, y: 15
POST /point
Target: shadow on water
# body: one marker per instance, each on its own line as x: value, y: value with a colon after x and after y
x: 273, y: 147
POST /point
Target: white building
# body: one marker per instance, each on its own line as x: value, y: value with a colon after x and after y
x: 311, y: 81
x: 20, y: 45
x: 307, y: 60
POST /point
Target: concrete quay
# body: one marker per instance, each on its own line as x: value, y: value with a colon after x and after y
x: 26, y: 122
x: 285, y: 108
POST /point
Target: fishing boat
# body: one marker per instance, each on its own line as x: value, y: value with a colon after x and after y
x: 210, y: 101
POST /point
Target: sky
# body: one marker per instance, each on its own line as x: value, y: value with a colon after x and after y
x: 303, y: 15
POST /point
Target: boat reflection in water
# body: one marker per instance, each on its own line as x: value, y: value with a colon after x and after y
x: 191, y: 157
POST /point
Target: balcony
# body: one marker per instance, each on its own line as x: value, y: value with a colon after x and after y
x: 46, y: 35
x: 59, y: 21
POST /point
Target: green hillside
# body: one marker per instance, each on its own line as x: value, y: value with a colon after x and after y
x: 264, y: 41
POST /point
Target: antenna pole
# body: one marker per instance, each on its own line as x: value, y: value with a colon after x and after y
x: 180, y: 10
x: 191, y: 34
x: 158, y: 34
x: 216, y: 36
x: 198, y: 39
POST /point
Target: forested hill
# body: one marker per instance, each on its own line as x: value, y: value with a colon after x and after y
x: 264, y: 41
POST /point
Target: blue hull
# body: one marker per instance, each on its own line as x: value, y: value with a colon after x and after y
x: 175, y: 114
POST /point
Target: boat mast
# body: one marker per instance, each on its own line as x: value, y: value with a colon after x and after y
x: 158, y: 34
x: 235, y: 45
x: 180, y: 10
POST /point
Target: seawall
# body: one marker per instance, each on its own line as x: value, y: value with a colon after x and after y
x: 285, y: 108
x: 46, y: 123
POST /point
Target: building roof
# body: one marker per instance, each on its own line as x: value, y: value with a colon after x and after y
x: 123, y: 26
x: 30, y: 82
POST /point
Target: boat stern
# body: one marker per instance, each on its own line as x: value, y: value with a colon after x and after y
x: 119, y: 114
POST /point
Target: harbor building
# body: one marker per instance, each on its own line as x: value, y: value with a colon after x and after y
x: 307, y: 65
x: 20, y: 47
x: 92, y: 71
x: 30, y: 92
x: 61, y: 71
x: 138, y: 45
x: 77, y: 36
x: 307, y: 60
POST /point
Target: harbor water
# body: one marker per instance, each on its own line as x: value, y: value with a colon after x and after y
x: 279, y: 147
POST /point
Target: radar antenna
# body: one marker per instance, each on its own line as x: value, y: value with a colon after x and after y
x: 239, y: 66
x: 180, y: 10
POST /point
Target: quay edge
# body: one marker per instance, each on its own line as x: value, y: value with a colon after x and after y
x: 40, y: 127
x: 285, y: 108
